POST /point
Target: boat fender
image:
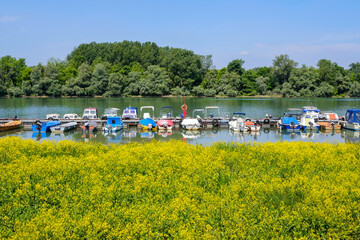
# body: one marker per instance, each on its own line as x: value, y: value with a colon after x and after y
x: 215, y: 122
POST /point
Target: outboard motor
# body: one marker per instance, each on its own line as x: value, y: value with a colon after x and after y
x: 333, y: 125
x: 292, y: 125
x: 87, y: 126
x: 149, y: 126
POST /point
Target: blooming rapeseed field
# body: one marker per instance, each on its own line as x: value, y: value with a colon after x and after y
x: 66, y: 190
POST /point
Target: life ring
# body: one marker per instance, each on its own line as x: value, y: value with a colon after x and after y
x: 184, y: 107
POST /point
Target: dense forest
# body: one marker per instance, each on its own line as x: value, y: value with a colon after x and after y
x: 133, y: 68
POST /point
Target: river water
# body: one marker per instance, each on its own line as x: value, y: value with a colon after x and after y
x: 35, y: 108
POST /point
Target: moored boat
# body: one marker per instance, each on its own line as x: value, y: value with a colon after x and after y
x: 237, y: 121
x: 89, y: 126
x: 44, y: 126
x: 113, y: 124
x: 129, y: 113
x: 10, y: 125
x: 195, y: 123
x: 352, y: 120
x: 309, y: 118
x: 63, y: 127
x: 165, y: 123
x: 147, y: 123
x: 289, y: 123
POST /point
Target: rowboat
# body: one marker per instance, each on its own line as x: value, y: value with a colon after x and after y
x: 63, y: 127
x: 10, y: 125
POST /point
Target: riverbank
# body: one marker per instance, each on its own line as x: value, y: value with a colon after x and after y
x: 175, y: 190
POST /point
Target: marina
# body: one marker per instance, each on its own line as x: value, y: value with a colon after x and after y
x: 202, y: 120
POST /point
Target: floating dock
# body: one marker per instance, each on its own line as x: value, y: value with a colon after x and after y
x: 208, y: 122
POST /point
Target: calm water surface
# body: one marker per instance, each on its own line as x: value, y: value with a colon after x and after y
x: 34, y: 108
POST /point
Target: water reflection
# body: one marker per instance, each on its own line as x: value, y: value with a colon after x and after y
x: 204, y: 137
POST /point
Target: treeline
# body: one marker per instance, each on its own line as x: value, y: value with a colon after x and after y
x: 133, y: 68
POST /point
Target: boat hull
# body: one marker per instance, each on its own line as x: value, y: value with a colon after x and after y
x: 10, y: 125
x: 165, y: 125
x: 351, y: 126
x: 288, y: 127
x: 64, y: 127
x: 45, y: 126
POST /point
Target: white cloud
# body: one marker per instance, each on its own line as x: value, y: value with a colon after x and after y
x: 244, y: 53
x: 8, y: 18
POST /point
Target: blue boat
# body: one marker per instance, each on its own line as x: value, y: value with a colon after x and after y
x: 352, y: 120
x: 289, y: 123
x: 113, y: 124
x: 45, y: 126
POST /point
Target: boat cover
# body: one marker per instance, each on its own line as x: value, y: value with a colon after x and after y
x: 147, y: 121
x: 289, y: 120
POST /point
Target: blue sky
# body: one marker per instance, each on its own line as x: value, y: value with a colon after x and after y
x: 255, y: 31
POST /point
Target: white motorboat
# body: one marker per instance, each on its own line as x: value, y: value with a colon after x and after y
x: 195, y: 123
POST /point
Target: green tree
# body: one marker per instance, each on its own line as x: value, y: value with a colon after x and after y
x: 236, y: 66
x: 99, y: 80
x: 281, y: 69
x: 116, y: 84
x: 155, y: 83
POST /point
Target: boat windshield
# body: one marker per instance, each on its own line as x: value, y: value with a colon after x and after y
x: 93, y: 112
x: 358, y: 116
x: 86, y: 112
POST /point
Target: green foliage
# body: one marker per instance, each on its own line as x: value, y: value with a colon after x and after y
x: 236, y: 66
x: 282, y: 67
x: 133, y: 68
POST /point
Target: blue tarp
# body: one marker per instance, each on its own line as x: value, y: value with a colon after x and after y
x: 147, y: 121
x: 288, y: 120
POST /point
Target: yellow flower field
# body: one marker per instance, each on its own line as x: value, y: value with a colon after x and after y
x: 70, y: 190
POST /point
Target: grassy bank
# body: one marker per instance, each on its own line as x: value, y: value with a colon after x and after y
x: 160, y: 190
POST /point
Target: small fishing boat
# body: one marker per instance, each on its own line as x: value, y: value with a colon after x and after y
x: 309, y: 118
x: 89, y: 126
x: 195, y: 123
x: 10, y: 125
x: 251, y: 126
x: 289, y: 122
x: 90, y: 113
x: 237, y: 121
x: 165, y: 123
x: 44, y: 126
x: 110, y: 112
x: 53, y: 116
x: 352, y: 120
x: 64, y: 127
x: 147, y: 123
x: 129, y: 112
x: 69, y: 116
x: 113, y: 124
x: 213, y: 112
